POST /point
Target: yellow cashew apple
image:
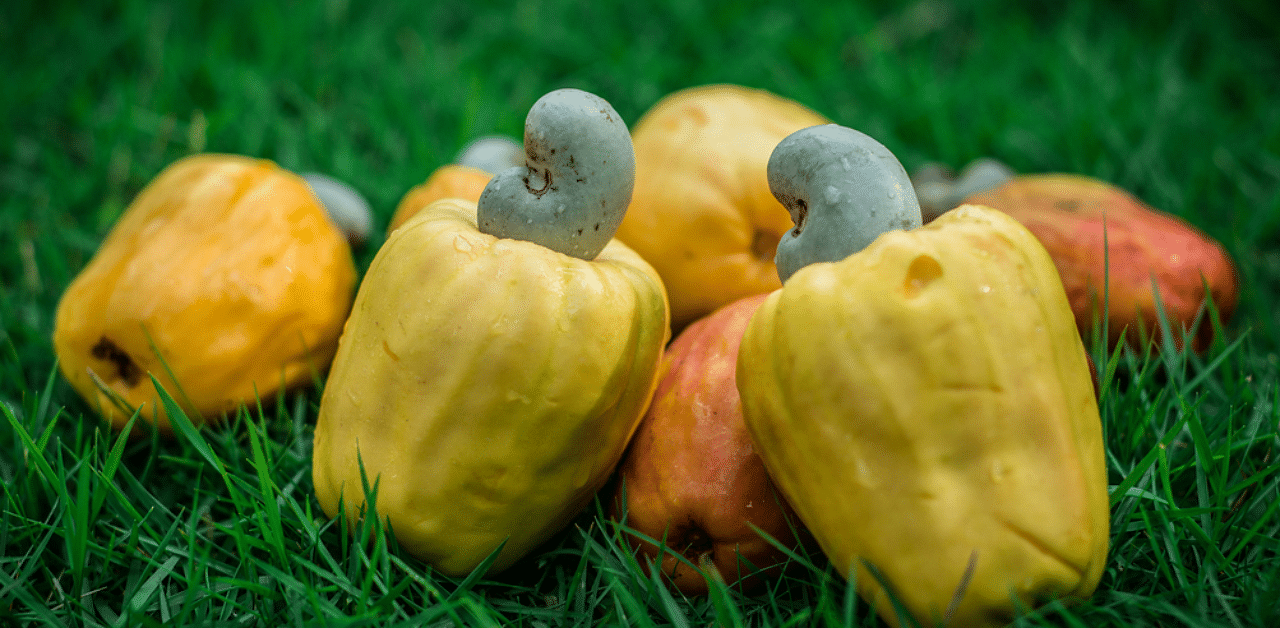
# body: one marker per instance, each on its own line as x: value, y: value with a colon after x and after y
x: 489, y: 385
x: 926, y: 406
x: 702, y: 212
x: 224, y: 279
x: 499, y: 353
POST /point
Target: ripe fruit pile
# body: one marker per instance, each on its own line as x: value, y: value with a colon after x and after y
x: 913, y: 399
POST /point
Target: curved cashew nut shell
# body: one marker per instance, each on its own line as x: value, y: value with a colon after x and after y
x: 572, y: 192
x: 843, y: 189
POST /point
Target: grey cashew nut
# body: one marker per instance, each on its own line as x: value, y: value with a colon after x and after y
x: 577, y: 182
x: 939, y: 191
x: 491, y: 153
x: 346, y: 207
x: 843, y: 189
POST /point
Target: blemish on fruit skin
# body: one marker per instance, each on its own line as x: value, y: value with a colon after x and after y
x: 923, y: 271
x: 109, y: 351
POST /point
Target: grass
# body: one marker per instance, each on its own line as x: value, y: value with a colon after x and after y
x: 219, y: 526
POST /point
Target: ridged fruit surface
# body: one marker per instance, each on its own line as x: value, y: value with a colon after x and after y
x: 1102, y: 237
x: 702, y: 212
x: 691, y: 475
x: 489, y: 386
x: 224, y: 279
x: 926, y: 407
x: 448, y: 181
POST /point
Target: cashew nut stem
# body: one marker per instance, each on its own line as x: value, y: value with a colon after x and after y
x: 843, y: 189
x: 572, y: 192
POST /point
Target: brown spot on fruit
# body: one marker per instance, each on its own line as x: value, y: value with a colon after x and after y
x: 126, y: 370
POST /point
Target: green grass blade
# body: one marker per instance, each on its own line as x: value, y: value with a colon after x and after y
x: 274, y: 530
x: 183, y: 426
x: 34, y: 454
x: 476, y: 574
x: 150, y: 588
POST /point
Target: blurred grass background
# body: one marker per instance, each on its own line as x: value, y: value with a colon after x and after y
x: 1177, y: 102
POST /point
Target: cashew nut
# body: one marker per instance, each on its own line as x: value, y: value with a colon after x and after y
x: 980, y: 175
x: 491, y: 153
x: 940, y: 191
x: 843, y: 189
x: 572, y: 192
x: 344, y: 205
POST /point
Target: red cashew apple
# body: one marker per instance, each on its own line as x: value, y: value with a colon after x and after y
x: 1072, y: 214
x: 691, y: 475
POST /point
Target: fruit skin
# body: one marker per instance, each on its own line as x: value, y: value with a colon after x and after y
x: 230, y: 266
x: 702, y: 212
x: 691, y: 474
x: 926, y: 403
x: 448, y: 181
x: 488, y: 385
x: 1066, y: 213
